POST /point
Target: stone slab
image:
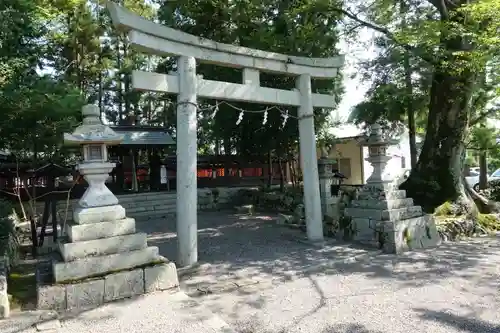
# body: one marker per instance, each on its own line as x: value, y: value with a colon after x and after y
x: 410, y: 234
x: 94, y: 266
x: 104, y: 246
x: 369, y: 193
x: 364, y: 229
x: 48, y: 325
x: 86, y: 232
x: 85, y: 295
x: 160, y: 277
x: 123, y: 285
x: 51, y: 297
x: 384, y: 215
x: 382, y: 204
x: 83, y: 215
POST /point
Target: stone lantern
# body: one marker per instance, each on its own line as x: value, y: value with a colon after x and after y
x: 326, y: 179
x: 378, y: 144
x: 94, y: 137
x: 102, y: 257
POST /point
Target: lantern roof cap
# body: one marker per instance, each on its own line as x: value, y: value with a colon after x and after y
x: 377, y: 137
x: 92, y: 130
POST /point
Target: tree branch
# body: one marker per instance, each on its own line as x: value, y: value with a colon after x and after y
x: 485, y: 114
x: 440, y: 5
x: 415, y: 50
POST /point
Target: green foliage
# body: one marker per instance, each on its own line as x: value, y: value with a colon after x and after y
x: 483, y: 138
x: 458, y: 227
x: 266, y: 25
x: 488, y: 222
x: 36, y: 113
x: 6, y: 209
x: 9, y: 243
x: 444, y: 210
x: 494, y: 189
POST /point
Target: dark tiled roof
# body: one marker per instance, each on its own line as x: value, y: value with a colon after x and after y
x: 145, y: 137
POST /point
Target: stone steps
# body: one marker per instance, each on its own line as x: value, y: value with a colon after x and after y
x: 85, y: 232
x: 96, y: 265
x: 152, y: 204
x: 105, y: 246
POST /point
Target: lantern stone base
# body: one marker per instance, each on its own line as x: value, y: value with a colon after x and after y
x: 92, y: 292
x: 383, y: 216
x: 101, y: 261
x: 86, y: 215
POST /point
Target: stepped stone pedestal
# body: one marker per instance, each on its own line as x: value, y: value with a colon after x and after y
x: 382, y: 215
x: 102, y: 258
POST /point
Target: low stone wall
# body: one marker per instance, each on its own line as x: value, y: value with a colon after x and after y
x: 151, y: 204
x: 4, y: 273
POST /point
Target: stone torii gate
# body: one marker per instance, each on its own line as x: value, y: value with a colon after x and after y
x: 157, y: 39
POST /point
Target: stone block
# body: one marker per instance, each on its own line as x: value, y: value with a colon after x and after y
x: 104, y: 246
x: 384, y: 215
x: 123, y: 285
x: 95, y: 266
x: 51, y: 297
x: 86, y: 294
x: 410, y: 234
x: 370, y: 192
x: 83, y: 215
x: 160, y: 277
x: 48, y: 325
x: 402, y: 213
x: 85, y: 232
x: 382, y: 204
x: 363, y: 230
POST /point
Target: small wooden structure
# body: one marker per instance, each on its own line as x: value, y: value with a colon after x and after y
x: 135, y: 168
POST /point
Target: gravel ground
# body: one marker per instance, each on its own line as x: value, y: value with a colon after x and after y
x: 259, y: 278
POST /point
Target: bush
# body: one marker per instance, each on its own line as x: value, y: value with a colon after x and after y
x: 6, y: 225
x: 488, y: 223
x: 9, y: 243
x: 494, y: 190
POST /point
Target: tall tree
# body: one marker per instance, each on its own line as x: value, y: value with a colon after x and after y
x: 460, y: 40
x: 267, y: 25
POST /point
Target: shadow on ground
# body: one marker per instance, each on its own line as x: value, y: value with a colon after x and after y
x: 245, y: 257
x: 251, y: 266
x: 236, y: 246
x: 468, y: 324
x: 347, y: 328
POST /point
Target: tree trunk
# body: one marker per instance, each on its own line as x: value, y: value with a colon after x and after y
x: 483, y: 169
x: 437, y: 177
x: 282, y: 175
x: 269, y: 169
x: 410, y: 110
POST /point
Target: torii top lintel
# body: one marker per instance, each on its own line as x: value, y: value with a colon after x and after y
x: 154, y: 38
